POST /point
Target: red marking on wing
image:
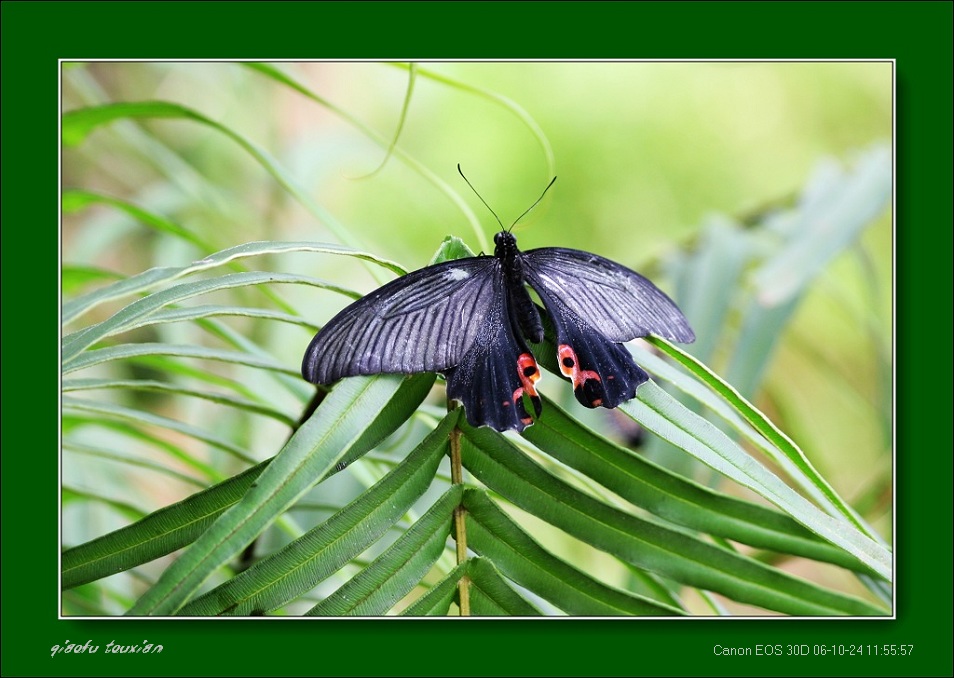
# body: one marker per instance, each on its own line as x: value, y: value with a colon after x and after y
x: 529, y: 373
x: 570, y: 367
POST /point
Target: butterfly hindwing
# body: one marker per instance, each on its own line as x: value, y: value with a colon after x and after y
x: 425, y: 321
x: 603, y: 372
x: 497, y: 372
x: 595, y: 304
x: 613, y: 299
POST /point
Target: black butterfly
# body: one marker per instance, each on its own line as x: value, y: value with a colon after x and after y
x: 471, y: 318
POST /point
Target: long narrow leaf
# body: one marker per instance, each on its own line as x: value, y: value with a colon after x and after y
x: 664, y: 416
x: 764, y: 426
x: 139, y: 417
x: 147, y: 280
x: 354, y: 414
x: 492, y: 596
x: 158, y: 534
x: 135, y: 314
x: 75, y: 199
x: 673, y: 497
x: 396, y: 572
x: 79, y: 123
x: 322, y: 551
x: 437, y: 601
x: 492, y: 534
x: 283, y: 77
x: 671, y: 553
x: 72, y: 385
x: 126, y: 351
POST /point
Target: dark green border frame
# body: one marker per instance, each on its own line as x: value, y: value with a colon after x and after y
x: 34, y: 35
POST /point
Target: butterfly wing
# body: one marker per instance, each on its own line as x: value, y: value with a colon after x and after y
x: 452, y: 317
x: 424, y: 321
x: 498, y: 371
x: 617, y: 301
x: 595, y: 304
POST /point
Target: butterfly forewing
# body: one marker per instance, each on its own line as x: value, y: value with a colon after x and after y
x: 424, y: 321
x: 613, y: 299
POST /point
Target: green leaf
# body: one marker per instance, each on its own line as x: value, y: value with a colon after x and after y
x: 435, y: 180
x: 854, y: 537
x: 323, y: 550
x: 158, y: 534
x: 71, y: 495
x: 647, y: 545
x: 100, y: 452
x: 672, y: 497
x: 492, y: 596
x: 395, y: 573
x: 492, y: 534
x: 74, y: 277
x: 147, y: 280
x: 136, y: 314
x: 73, y: 405
x: 834, y: 209
x: 705, y: 277
x: 501, y: 100
x: 71, y: 385
x: 77, y: 124
x: 74, y: 200
x: 354, y: 415
x: 437, y: 601
x: 126, y: 351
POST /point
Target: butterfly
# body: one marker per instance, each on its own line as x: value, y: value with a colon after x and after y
x: 471, y: 319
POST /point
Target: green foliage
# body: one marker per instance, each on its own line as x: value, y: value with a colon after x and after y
x: 202, y: 476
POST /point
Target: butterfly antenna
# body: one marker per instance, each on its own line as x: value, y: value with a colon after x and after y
x: 534, y: 204
x: 481, y: 199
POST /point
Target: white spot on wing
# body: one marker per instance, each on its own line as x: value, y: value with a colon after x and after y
x: 456, y: 274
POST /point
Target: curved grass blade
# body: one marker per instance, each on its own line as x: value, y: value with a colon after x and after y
x: 204, y: 311
x: 73, y: 200
x: 672, y: 497
x: 126, y: 351
x: 781, y: 441
x: 104, y: 453
x: 501, y: 100
x: 354, y: 415
x: 647, y: 545
x: 73, y: 277
x: 71, y: 385
x: 411, y: 75
x: 323, y: 550
x: 72, y: 495
x: 77, y: 124
x: 437, y: 601
x: 395, y: 573
x: 282, y: 77
x: 152, y: 436
x: 492, y: 596
x: 157, y: 276
x: 138, y: 417
x: 158, y: 534
x: 137, y: 313
x: 492, y: 534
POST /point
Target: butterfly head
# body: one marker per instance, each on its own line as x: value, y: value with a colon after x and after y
x: 506, y: 245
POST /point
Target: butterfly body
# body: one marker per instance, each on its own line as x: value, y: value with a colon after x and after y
x: 471, y: 319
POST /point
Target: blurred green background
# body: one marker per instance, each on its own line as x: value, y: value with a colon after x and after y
x: 652, y: 160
